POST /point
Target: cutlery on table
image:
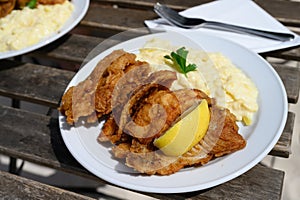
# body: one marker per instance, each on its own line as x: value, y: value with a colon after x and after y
x: 174, y: 18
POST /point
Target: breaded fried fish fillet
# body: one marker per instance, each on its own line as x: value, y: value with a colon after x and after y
x: 91, y: 98
x: 152, y: 113
x: 135, y: 144
x: 141, y: 107
x: 160, y: 110
x: 6, y: 7
x: 129, y: 95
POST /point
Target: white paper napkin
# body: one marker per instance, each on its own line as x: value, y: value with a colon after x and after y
x: 238, y: 12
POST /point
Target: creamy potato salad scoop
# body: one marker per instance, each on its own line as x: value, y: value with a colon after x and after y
x: 26, y: 27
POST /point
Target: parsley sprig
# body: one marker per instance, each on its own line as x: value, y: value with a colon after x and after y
x: 179, y: 61
x: 32, y: 4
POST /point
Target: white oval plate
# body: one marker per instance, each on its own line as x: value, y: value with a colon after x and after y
x: 80, y: 9
x: 261, y: 136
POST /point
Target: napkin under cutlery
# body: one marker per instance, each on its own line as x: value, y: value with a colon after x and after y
x: 238, y: 12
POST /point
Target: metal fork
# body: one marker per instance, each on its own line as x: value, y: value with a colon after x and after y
x: 176, y: 19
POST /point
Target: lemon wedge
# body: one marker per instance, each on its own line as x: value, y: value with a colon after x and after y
x: 187, y: 132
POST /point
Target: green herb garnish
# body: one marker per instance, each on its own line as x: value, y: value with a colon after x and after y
x: 32, y: 4
x: 179, y: 61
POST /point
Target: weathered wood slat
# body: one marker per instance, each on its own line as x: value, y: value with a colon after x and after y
x: 121, y: 19
x: 148, y: 4
x: 283, y: 146
x: 288, y: 54
x: 73, y: 48
x: 76, y: 48
x: 33, y: 83
x: 287, y: 12
x: 45, y: 85
x: 284, y: 11
x: 103, y: 20
x: 290, y: 77
x: 31, y: 132
x: 39, y: 141
x: 245, y: 187
x: 16, y: 187
x: 35, y: 138
x: 108, y: 18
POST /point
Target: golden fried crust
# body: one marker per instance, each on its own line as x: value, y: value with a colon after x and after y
x: 108, y: 131
x: 128, y: 96
x: 151, y: 110
x: 229, y: 141
x: 79, y: 101
x: 121, y: 150
x: 6, y: 7
x: 156, y: 114
x: 135, y: 76
x: 109, y: 80
x: 133, y: 101
x: 66, y: 105
x: 157, y: 163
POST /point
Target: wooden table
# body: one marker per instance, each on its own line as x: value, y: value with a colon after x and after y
x: 40, y: 77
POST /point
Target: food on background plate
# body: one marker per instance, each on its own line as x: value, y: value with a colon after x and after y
x: 20, y: 4
x: 146, y: 108
x: 27, y: 26
x: 6, y: 6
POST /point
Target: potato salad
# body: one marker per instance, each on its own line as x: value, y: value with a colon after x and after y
x: 26, y: 27
x: 216, y: 75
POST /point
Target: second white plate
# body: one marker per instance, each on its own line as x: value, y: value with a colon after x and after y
x: 80, y: 9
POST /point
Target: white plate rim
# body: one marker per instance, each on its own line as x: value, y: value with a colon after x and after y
x: 147, y: 184
x: 80, y: 9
